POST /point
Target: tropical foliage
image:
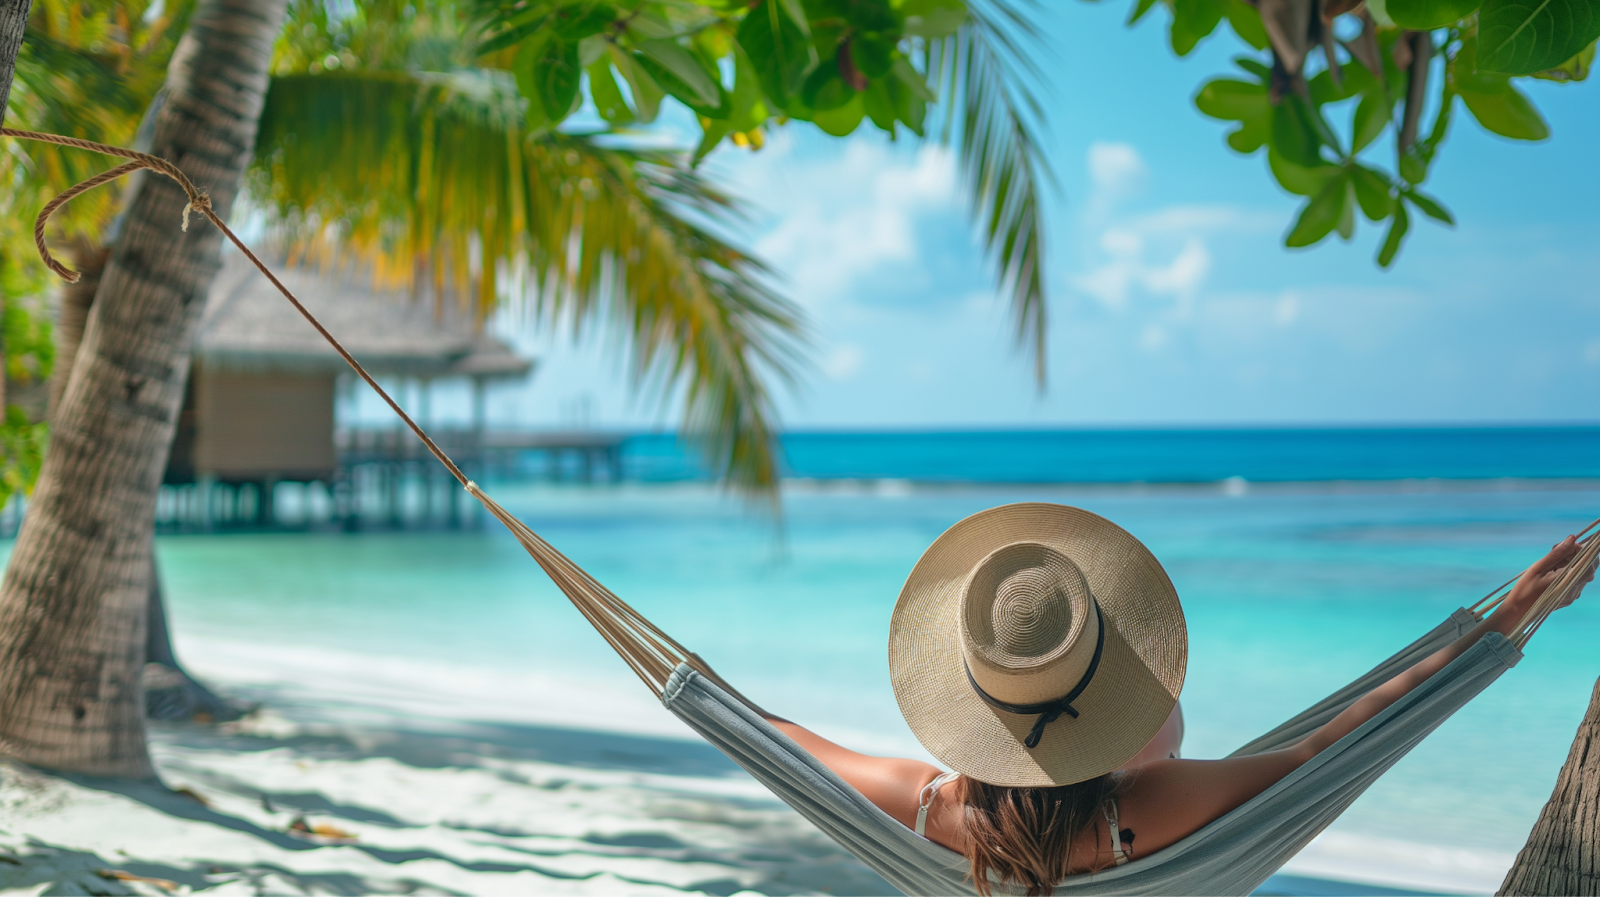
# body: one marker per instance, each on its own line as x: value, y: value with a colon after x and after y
x: 84, y: 70
x: 1324, y: 118
x: 382, y: 140
x: 946, y: 69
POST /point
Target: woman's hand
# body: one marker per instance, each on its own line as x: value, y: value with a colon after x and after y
x: 1542, y: 574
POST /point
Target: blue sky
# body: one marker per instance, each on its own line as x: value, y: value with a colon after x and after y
x: 1172, y: 298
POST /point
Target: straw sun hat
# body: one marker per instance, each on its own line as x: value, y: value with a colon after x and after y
x: 1037, y: 644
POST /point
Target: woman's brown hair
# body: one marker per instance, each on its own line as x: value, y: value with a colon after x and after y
x: 1023, y: 836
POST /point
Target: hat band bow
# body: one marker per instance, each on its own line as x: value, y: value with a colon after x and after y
x: 1048, y: 711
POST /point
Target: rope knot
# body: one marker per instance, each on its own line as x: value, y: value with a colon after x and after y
x: 200, y: 202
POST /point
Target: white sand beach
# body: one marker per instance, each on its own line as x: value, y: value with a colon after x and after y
x: 285, y: 802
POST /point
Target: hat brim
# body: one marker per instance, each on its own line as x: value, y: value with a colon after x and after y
x: 1126, y: 703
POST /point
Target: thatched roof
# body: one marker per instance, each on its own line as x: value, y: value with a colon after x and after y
x: 248, y: 325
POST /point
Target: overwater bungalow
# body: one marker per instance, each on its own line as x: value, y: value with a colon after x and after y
x: 260, y: 404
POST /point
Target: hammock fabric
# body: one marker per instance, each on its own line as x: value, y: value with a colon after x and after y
x: 1232, y: 855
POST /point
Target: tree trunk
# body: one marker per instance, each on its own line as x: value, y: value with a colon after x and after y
x: 1562, y: 855
x: 89, y: 261
x: 170, y: 693
x: 75, y: 598
x: 13, y: 21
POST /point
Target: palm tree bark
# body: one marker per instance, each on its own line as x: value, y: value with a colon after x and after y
x: 77, y: 298
x: 1562, y: 855
x: 170, y: 693
x: 13, y: 21
x: 75, y: 599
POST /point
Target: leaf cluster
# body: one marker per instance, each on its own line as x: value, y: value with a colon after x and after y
x: 953, y: 70
x: 835, y: 63
x: 437, y: 181
x: 1336, y: 77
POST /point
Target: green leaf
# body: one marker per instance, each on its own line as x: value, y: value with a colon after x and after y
x: 843, y: 119
x: 1232, y: 100
x: 1397, y: 234
x: 1192, y: 21
x: 1428, y: 205
x: 1299, y: 179
x: 524, y: 66
x: 512, y: 35
x: 714, y: 130
x: 1380, y: 15
x: 777, y: 47
x: 1372, y: 116
x: 873, y: 56
x: 1574, y: 69
x: 912, y: 79
x: 879, y: 102
x: 1426, y: 15
x: 1413, y: 166
x: 1254, y: 67
x: 749, y: 108
x: 607, y: 96
x: 1321, y: 214
x: 1292, y: 134
x: 1508, y: 113
x: 1250, y: 135
x: 825, y: 89
x: 797, y: 14
x: 554, y: 77
x: 1325, y: 90
x: 1347, y: 217
x: 680, y: 73
x: 933, y: 19
x: 1246, y: 23
x: 576, y: 21
x: 646, y: 92
x: 1520, y: 37
x: 1139, y: 9
x: 1372, y: 192
x: 911, y: 96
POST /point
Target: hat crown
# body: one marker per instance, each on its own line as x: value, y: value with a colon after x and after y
x: 1028, y: 623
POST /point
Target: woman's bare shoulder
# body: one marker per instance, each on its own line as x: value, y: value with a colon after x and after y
x: 1165, y: 801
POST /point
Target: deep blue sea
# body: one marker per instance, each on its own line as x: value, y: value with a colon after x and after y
x: 1302, y: 557
x: 1162, y: 456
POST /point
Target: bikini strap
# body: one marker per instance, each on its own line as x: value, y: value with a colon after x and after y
x: 929, y: 792
x: 1110, y: 812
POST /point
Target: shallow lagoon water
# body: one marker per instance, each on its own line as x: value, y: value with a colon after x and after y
x: 1290, y: 590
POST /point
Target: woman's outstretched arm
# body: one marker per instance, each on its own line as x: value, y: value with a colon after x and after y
x: 1167, y: 801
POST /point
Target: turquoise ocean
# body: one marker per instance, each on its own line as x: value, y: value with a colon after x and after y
x: 1302, y: 558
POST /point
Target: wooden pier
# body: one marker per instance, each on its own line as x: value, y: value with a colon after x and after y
x: 385, y: 478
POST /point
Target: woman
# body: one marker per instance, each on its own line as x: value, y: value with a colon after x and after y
x: 1038, y: 650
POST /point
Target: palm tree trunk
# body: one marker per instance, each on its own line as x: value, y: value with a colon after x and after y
x: 77, y: 298
x: 13, y: 21
x: 1562, y: 855
x: 170, y: 693
x: 75, y: 597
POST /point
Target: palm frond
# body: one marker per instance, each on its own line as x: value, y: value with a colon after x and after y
x: 434, y: 181
x: 985, y: 76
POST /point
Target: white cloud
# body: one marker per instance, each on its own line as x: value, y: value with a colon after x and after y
x: 1159, y: 258
x: 1286, y: 309
x: 843, y: 363
x: 846, y: 215
x: 1115, y: 171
